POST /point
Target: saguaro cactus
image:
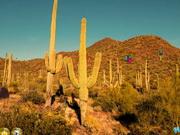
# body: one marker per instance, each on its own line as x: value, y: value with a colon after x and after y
x: 9, y: 74
x: 5, y: 71
x: 52, y: 61
x: 110, y: 83
x: 177, y: 72
x: 147, y: 77
x: 40, y: 74
x: 139, y: 79
x: 26, y: 81
x: 83, y: 82
x: 120, y: 74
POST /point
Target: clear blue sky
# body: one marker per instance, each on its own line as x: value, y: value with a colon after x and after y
x: 25, y: 24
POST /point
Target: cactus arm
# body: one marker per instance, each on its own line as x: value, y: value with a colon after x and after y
x: 97, y: 62
x: 59, y: 63
x: 71, y: 74
x: 115, y: 84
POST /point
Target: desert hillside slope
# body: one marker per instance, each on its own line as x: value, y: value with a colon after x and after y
x: 141, y: 47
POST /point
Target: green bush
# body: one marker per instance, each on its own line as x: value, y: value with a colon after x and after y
x: 14, y: 87
x: 39, y: 85
x: 152, y: 113
x: 34, y: 122
x: 121, y: 100
x: 33, y: 96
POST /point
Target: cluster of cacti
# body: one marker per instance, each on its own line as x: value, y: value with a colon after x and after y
x: 7, y: 77
x: 139, y: 80
x: 147, y: 77
x: 83, y: 82
x: 114, y: 81
x: 53, y: 62
x: 111, y: 83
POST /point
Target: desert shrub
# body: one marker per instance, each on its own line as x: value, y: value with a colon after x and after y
x: 121, y: 100
x: 93, y: 93
x: 33, y: 96
x: 152, y: 112
x: 14, y: 87
x: 39, y: 85
x: 34, y: 122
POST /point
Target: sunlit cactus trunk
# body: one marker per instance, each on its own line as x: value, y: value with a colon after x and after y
x: 177, y: 72
x: 53, y: 62
x: 40, y: 74
x: 120, y: 74
x: 83, y: 82
x: 147, y: 77
x: 104, y: 77
x: 9, y: 74
x: 139, y: 79
x: 26, y: 81
x: 5, y: 71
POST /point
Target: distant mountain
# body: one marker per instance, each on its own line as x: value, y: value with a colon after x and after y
x: 140, y: 47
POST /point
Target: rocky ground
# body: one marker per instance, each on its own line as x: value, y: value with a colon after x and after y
x: 97, y: 121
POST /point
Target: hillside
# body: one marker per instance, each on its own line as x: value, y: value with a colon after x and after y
x: 120, y: 110
x: 141, y: 47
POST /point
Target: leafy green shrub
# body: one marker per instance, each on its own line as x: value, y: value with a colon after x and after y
x: 151, y: 112
x: 34, y: 122
x: 121, y: 100
x: 33, y: 96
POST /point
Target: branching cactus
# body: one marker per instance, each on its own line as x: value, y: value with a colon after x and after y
x: 111, y: 83
x: 83, y: 83
x: 53, y: 62
x: 5, y: 71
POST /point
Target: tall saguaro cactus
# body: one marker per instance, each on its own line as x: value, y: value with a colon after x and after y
x: 147, y: 77
x: 177, y: 72
x: 7, y: 77
x: 83, y: 82
x: 5, y: 71
x: 120, y: 74
x: 139, y: 79
x: 53, y: 62
x: 9, y: 74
